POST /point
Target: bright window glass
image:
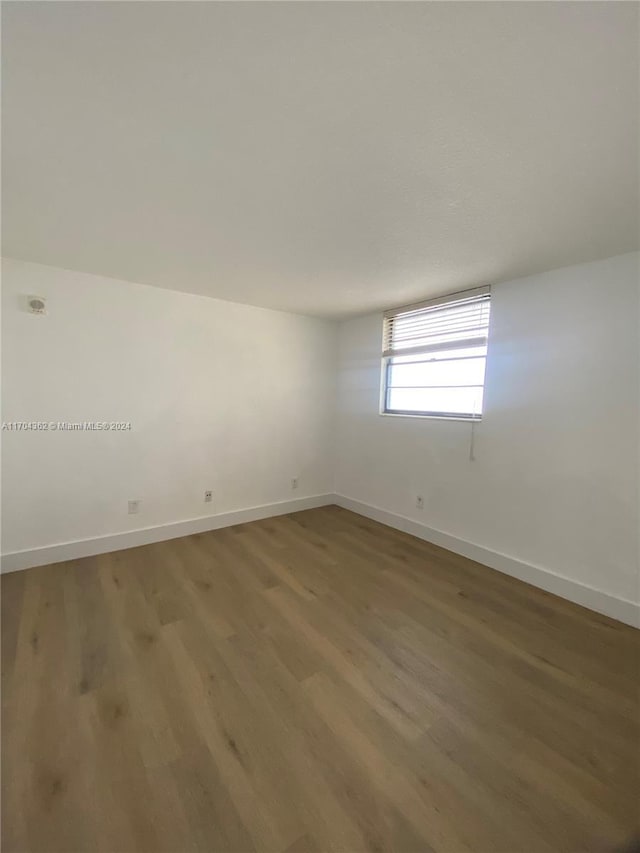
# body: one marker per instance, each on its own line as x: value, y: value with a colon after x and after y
x: 434, y: 357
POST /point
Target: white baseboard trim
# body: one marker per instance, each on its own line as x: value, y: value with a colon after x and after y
x: 594, y: 599
x: 146, y: 535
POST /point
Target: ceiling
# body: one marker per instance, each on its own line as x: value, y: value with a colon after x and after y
x: 322, y: 158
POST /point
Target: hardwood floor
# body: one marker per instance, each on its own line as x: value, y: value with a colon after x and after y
x: 314, y: 682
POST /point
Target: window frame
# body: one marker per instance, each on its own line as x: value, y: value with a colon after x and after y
x: 388, y: 359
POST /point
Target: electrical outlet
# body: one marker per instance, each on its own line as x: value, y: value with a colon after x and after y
x: 419, y: 502
x: 208, y: 497
x: 134, y: 507
x: 294, y: 482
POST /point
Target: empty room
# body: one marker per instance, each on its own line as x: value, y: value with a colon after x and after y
x: 320, y: 445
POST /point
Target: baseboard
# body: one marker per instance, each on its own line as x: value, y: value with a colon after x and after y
x: 146, y: 535
x: 594, y: 599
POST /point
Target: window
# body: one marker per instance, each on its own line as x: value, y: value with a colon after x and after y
x: 434, y: 356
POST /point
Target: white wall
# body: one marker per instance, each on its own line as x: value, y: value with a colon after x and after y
x: 555, y: 481
x: 240, y: 399
x: 222, y: 396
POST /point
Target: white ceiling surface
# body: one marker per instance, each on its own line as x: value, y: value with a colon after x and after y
x: 322, y: 158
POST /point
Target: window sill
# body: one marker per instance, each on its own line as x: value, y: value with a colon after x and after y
x: 460, y: 419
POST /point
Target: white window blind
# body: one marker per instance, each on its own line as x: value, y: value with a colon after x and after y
x: 434, y: 355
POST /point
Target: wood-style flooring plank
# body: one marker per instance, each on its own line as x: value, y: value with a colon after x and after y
x: 307, y: 683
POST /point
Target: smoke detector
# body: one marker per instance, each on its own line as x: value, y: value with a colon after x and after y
x: 37, y: 304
